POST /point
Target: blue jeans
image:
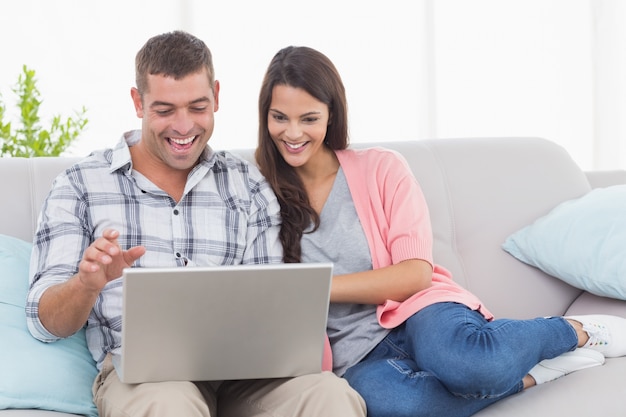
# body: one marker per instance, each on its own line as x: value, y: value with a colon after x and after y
x: 447, y: 360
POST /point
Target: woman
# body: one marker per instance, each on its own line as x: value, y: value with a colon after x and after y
x: 440, y: 352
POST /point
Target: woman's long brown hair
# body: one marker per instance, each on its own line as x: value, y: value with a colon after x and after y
x: 310, y: 70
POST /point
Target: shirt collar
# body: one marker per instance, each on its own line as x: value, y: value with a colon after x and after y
x: 121, y: 159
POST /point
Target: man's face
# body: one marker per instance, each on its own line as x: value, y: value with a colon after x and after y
x: 178, y: 118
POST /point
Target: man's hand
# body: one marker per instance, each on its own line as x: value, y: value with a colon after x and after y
x: 64, y: 308
x: 104, y: 260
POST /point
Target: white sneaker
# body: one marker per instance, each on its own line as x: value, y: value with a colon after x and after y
x: 550, y: 369
x: 607, y: 334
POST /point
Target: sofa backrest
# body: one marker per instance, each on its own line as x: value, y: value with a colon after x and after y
x: 24, y: 186
x: 479, y: 190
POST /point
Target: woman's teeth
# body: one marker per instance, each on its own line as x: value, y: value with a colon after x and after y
x: 295, y: 145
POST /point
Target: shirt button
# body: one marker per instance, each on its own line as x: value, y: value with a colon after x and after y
x: 178, y: 255
x: 175, y: 212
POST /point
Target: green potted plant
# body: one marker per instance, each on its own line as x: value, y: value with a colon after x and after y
x: 29, y: 138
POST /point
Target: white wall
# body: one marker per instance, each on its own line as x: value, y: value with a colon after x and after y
x: 413, y: 69
x: 516, y: 68
x: 83, y: 52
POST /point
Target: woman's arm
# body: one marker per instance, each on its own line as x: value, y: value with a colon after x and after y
x: 395, y: 218
x: 395, y: 282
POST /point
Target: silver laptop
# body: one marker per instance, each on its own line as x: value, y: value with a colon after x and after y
x: 222, y: 323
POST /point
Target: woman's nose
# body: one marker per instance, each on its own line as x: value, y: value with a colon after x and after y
x: 293, y: 131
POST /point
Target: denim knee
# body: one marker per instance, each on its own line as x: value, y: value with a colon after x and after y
x: 391, y: 388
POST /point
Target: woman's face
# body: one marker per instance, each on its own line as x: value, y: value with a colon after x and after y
x: 297, y: 123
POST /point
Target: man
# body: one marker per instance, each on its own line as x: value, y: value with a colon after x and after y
x: 162, y: 197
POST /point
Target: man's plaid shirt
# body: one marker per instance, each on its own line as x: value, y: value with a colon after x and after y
x: 228, y: 215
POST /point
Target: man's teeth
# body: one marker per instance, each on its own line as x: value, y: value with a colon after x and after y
x: 295, y: 145
x: 183, y: 141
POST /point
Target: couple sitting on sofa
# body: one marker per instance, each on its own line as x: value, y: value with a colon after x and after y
x: 406, y: 339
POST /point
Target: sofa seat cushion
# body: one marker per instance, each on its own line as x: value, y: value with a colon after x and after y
x: 35, y: 375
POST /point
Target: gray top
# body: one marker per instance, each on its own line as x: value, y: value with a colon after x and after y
x: 353, y: 329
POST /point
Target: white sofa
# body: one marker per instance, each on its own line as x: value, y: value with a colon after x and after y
x: 480, y: 190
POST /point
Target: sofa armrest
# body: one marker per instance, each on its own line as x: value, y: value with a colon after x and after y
x: 598, y: 179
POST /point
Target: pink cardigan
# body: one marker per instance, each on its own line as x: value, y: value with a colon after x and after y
x: 394, y: 215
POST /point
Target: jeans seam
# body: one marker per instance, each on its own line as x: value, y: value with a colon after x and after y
x: 520, y: 387
x: 399, y: 351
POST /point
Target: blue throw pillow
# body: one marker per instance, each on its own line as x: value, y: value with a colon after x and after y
x: 56, y: 376
x: 581, y: 241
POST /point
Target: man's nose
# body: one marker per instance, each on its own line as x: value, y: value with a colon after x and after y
x: 183, y: 123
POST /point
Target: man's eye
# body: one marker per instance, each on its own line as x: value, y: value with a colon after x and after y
x: 198, y: 109
x: 163, y: 112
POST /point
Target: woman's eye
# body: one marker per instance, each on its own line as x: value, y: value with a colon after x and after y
x: 279, y: 117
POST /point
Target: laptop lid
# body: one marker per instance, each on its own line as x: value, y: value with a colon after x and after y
x: 221, y: 323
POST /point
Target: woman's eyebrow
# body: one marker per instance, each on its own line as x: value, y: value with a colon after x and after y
x: 302, y: 115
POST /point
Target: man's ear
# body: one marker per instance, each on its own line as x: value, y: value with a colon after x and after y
x: 216, y: 95
x: 137, y: 102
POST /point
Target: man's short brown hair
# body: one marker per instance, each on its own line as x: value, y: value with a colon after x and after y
x: 174, y: 54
